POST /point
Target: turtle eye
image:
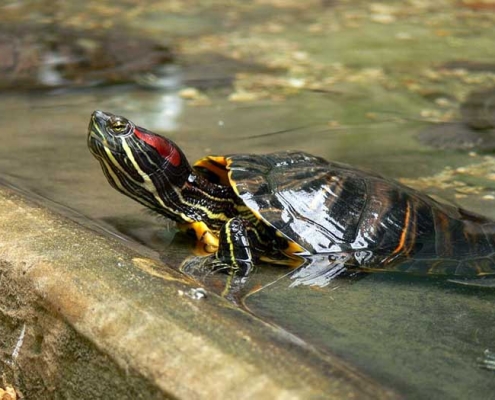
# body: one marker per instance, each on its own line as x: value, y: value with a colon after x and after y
x: 118, y: 126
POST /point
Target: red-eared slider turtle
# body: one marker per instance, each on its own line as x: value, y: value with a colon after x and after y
x: 292, y: 208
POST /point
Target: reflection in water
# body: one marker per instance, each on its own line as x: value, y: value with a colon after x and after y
x: 320, y: 270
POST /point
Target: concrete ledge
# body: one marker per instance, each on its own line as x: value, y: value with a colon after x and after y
x: 82, y: 316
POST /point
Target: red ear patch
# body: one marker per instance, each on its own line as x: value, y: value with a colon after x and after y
x: 161, y: 145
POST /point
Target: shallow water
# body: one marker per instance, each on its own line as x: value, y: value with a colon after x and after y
x: 421, y: 336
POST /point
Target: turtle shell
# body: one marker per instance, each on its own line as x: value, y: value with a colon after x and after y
x: 308, y: 200
x: 327, y: 207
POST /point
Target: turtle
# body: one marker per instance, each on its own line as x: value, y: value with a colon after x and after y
x: 292, y: 208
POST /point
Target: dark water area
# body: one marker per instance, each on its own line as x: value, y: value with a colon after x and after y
x: 355, y: 82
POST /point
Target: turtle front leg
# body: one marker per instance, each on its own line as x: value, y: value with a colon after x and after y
x: 234, y: 247
x: 233, y: 252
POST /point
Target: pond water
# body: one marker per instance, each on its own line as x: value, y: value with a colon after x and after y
x: 350, y: 81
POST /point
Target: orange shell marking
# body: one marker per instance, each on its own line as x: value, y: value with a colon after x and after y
x: 217, y: 165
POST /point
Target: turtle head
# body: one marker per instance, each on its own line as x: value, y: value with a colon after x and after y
x: 145, y: 166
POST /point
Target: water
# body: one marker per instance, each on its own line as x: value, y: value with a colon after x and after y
x: 367, y: 92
